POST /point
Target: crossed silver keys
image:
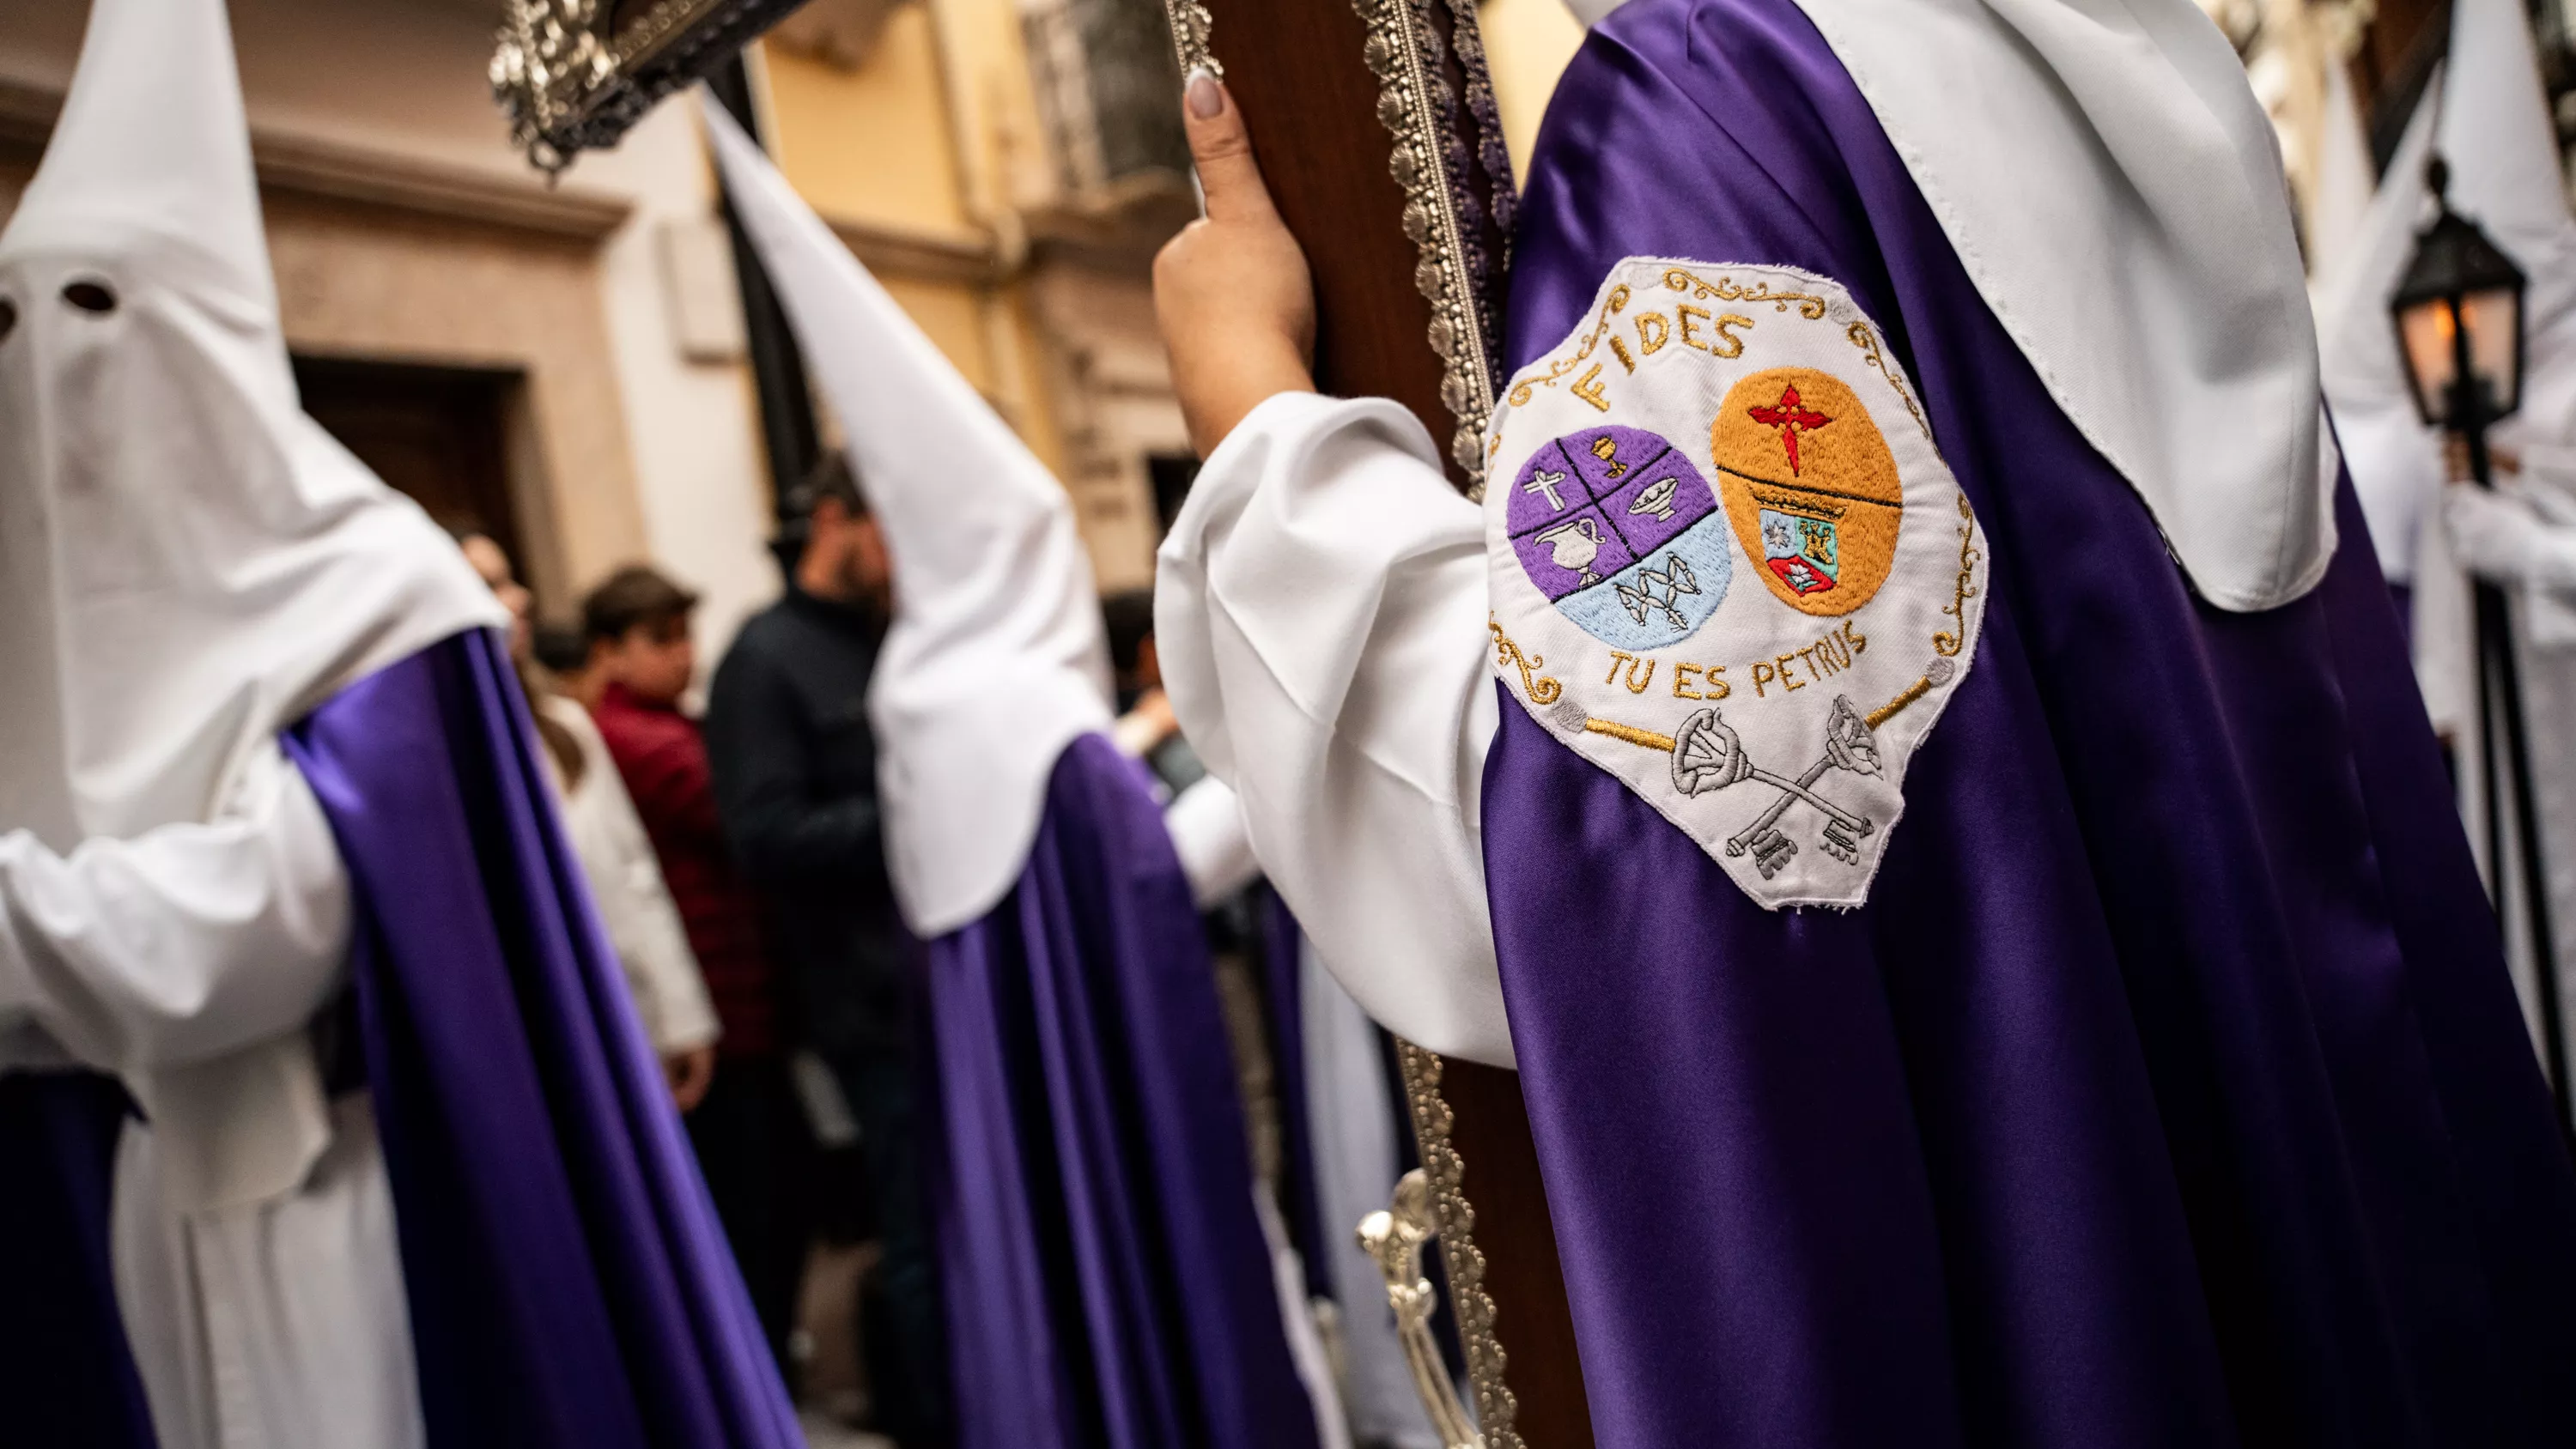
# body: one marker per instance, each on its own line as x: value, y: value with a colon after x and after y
x: 1709, y: 756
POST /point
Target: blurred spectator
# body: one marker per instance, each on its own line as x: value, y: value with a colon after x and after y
x: 795, y: 767
x: 564, y: 651
x: 1146, y: 729
x: 749, y: 1130
x: 635, y: 907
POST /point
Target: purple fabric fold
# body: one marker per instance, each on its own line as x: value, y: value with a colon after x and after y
x: 567, y: 1281
x: 1107, y: 1280
x: 66, y: 1376
x: 2170, y: 1088
x: 1280, y: 952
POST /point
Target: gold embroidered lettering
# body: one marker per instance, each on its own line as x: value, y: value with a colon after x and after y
x: 1588, y: 388
x: 1651, y: 340
x: 1787, y: 681
x: 1858, y: 640
x: 1617, y: 655
x: 1763, y: 674
x: 1727, y: 343
x: 1683, y: 675
x: 1688, y: 312
x: 1810, y: 663
x: 1718, y: 688
x: 1619, y: 349
x: 1635, y: 684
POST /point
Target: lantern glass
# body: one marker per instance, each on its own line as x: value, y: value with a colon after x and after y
x: 2429, y: 329
x: 2495, y: 345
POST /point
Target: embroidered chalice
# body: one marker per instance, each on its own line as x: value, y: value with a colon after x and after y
x: 1575, y: 544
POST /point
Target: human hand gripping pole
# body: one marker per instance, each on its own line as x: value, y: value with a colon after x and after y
x: 1232, y: 293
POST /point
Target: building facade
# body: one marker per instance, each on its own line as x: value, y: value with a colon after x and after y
x: 563, y: 365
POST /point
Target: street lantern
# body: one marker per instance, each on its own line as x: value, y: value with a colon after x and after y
x: 2459, y: 328
x: 2459, y: 320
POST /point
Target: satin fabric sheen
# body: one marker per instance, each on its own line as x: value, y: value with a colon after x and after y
x: 66, y: 1376
x: 1108, y: 1284
x: 2169, y: 1089
x: 568, y: 1282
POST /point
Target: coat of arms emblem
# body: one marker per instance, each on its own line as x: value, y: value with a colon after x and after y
x: 1620, y: 530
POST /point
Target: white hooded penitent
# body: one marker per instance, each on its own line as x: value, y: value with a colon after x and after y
x: 2494, y: 131
x: 187, y: 565
x: 997, y: 659
x: 187, y: 562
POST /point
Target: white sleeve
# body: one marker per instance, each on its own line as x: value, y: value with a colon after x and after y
x: 2506, y: 537
x: 1206, y: 823
x: 184, y: 944
x: 1320, y: 615
x: 635, y: 904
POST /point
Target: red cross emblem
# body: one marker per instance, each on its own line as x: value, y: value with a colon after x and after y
x: 1791, y: 417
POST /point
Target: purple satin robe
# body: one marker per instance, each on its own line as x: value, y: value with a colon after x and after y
x: 1108, y: 1284
x: 2169, y: 1090
x: 66, y: 1376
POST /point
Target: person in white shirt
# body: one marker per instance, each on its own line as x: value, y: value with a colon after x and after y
x: 599, y: 819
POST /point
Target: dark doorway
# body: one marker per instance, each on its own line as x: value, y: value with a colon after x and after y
x: 438, y: 434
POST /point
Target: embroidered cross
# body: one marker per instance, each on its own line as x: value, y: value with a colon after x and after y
x: 1545, y: 482
x: 1791, y: 417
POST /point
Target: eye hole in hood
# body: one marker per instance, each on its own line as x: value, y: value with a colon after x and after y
x: 90, y: 296
x: 8, y: 318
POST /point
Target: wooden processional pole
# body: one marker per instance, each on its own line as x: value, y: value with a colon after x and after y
x: 1375, y: 126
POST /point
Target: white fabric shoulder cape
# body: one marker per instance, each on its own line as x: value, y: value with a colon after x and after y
x: 2116, y: 193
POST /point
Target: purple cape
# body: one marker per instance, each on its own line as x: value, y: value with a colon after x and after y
x: 1108, y: 1284
x: 567, y: 1283
x: 2170, y: 1088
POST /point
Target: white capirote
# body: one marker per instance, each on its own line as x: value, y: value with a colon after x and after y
x: 997, y: 658
x: 1320, y: 615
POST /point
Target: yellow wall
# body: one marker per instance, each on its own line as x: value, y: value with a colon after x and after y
x: 870, y: 144
x: 953, y: 314
x: 1527, y: 46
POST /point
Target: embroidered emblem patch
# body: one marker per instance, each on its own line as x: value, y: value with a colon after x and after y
x: 1702, y: 412
x: 1623, y: 533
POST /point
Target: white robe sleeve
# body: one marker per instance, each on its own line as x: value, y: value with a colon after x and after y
x: 187, y: 943
x: 635, y: 906
x: 189, y: 961
x: 1206, y: 822
x: 1320, y: 613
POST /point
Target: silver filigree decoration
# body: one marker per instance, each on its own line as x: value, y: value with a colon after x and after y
x: 1190, y: 26
x: 1496, y: 1408
x: 1430, y: 163
x: 568, y: 84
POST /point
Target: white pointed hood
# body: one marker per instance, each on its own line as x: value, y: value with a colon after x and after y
x: 997, y: 659
x: 2495, y: 133
x: 2344, y: 184
x: 187, y: 562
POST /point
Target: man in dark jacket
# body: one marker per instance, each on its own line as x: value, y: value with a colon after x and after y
x: 795, y: 776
